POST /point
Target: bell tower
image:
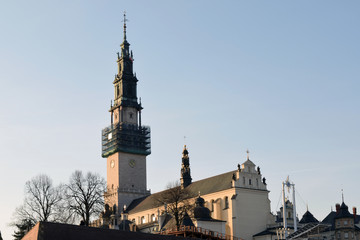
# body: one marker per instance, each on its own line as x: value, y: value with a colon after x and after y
x: 185, y: 179
x: 125, y: 143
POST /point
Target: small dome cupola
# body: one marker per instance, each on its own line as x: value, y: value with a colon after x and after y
x: 200, y: 211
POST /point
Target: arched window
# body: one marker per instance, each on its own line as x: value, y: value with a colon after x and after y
x: 153, y: 218
x: 249, y: 181
x: 142, y: 220
x: 257, y: 182
x: 244, y: 180
x: 212, y: 205
x: 226, y: 202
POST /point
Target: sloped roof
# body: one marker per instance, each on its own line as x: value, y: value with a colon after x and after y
x: 344, y: 212
x: 187, y: 220
x: 308, y: 218
x: 330, y: 219
x: 58, y: 231
x: 204, y: 186
x: 249, y: 162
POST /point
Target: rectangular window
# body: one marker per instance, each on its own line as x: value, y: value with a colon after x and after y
x: 346, y: 235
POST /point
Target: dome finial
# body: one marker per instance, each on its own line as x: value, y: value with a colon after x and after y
x: 185, y: 151
x: 247, y: 151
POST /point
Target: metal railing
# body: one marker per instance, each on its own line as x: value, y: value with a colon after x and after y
x: 126, y: 137
x: 192, y: 230
x: 128, y: 190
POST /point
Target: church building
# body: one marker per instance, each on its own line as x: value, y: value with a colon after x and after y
x: 237, y: 201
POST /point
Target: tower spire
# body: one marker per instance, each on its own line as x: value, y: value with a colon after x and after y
x: 185, y: 169
x: 125, y: 20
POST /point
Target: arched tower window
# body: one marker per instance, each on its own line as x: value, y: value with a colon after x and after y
x: 226, y: 202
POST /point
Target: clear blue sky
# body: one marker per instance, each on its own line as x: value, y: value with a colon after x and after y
x: 280, y: 78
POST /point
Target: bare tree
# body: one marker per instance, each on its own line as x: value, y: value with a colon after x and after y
x: 41, y: 203
x: 177, y: 201
x: 85, y: 195
x: 41, y: 200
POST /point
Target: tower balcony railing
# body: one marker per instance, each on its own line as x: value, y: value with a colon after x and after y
x: 126, y: 137
x: 127, y: 190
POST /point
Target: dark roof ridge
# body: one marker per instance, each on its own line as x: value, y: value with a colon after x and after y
x: 214, y: 176
x: 204, y: 186
x: 61, y: 231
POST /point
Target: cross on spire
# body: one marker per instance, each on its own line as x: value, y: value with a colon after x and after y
x: 247, y: 151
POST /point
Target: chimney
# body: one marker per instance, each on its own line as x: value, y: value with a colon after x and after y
x: 354, y: 212
x: 337, y: 208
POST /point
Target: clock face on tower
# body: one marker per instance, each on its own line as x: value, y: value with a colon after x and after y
x: 132, y: 163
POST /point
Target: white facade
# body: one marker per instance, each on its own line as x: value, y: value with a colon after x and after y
x: 244, y: 205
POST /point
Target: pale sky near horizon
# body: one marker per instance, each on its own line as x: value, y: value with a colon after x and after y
x: 280, y: 78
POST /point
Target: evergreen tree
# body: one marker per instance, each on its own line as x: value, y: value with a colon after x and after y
x: 22, y: 228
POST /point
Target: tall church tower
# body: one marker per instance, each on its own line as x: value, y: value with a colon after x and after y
x: 125, y: 143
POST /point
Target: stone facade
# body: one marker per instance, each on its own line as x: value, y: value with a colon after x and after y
x: 238, y: 200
